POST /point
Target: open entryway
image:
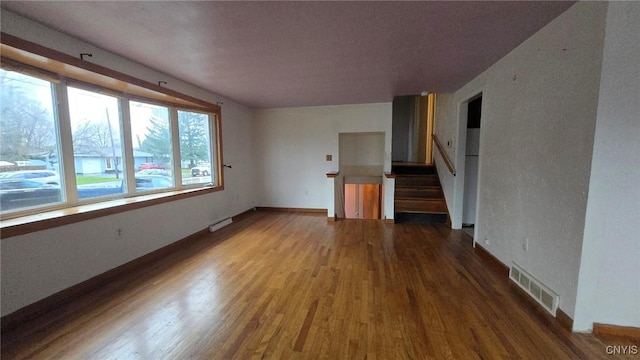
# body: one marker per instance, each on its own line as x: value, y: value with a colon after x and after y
x: 362, y: 201
x: 359, y: 183
x: 418, y: 196
x: 471, y: 161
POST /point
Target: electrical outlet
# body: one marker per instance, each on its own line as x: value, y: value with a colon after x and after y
x: 525, y: 244
x: 486, y: 241
x: 119, y: 234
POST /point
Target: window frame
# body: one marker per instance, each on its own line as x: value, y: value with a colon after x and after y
x: 215, y: 132
x: 83, y: 75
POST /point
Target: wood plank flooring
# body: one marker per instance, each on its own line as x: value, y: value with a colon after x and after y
x: 292, y: 286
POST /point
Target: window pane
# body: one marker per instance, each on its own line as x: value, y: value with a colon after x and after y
x: 29, y: 147
x: 152, y: 150
x: 195, y: 148
x: 97, y: 143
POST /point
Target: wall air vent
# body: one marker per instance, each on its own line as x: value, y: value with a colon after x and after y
x: 537, y: 290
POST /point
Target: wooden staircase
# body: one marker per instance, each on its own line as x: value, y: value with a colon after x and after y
x: 418, y: 194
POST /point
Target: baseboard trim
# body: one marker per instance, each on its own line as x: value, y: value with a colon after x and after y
x: 51, y: 302
x: 627, y: 332
x: 331, y: 219
x: 565, y: 321
x: 498, y: 266
x: 296, y: 210
x: 390, y: 221
x: 243, y: 215
x: 491, y: 260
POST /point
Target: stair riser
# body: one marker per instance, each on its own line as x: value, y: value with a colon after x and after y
x: 417, y: 181
x: 413, y: 170
x: 434, y: 193
x: 421, y: 206
x: 416, y: 218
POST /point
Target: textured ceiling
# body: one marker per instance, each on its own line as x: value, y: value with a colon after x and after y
x: 289, y: 54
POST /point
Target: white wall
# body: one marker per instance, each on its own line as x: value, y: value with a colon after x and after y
x: 470, y: 197
x: 538, y: 120
x: 40, y: 264
x: 361, y: 149
x: 292, y: 145
x: 446, y: 128
x: 609, y: 286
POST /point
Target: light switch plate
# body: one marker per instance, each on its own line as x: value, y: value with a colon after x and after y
x: 329, y: 157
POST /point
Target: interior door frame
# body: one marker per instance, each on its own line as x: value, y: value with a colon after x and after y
x: 460, y: 159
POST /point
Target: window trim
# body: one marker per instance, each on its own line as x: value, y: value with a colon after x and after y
x: 69, y: 215
x: 215, y: 128
x: 53, y: 61
x: 80, y: 73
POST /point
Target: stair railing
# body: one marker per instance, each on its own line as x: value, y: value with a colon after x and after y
x: 444, y: 156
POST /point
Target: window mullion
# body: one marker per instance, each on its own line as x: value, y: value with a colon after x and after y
x: 128, y: 158
x: 175, y: 147
x: 216, y: 155
x: 213, y: 151
x: 64, y: 125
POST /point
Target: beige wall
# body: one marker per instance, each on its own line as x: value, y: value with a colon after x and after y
x: 538, y: 120
x: 609, y: 286
x: 292, y: 144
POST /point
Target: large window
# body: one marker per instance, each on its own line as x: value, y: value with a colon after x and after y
x: 30, y: 147
x: 96, y: 145
x: 152, y: 146
x: 195, y: 147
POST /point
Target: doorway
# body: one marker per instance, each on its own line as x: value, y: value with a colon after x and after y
x: 362, y: 201
x: 472, y: 157
x: 412, y: 122
x: 361, y: 162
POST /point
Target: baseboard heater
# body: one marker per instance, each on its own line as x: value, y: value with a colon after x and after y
x: 220, y: 224
x: 536, y: 289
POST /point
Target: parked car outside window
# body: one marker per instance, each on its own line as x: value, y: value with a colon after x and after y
x: 153, y: 172
x: 149, y: 182
x: 201, y: 170
x: 144, y: 166
x: 21, y: 193
x: 48, y: 177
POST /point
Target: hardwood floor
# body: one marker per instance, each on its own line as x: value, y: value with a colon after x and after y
x: 292, y: 286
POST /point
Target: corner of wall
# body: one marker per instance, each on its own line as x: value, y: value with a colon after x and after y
x: 610, y: 249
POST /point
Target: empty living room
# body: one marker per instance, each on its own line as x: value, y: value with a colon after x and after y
x: 320, y: 180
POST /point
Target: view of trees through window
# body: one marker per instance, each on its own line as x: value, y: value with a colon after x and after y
x: 32, y: 167
x: 152, y: 150
x: 97, y: 144
x: 29, y: 142
x: 195, y: 151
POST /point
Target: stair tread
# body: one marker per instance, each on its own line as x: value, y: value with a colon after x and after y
x: 410, y: 198
x: 421, y: 211
x: 418, y: 188
x: 405, y: 176
x: 417, y: 202
x: 413, y: 181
